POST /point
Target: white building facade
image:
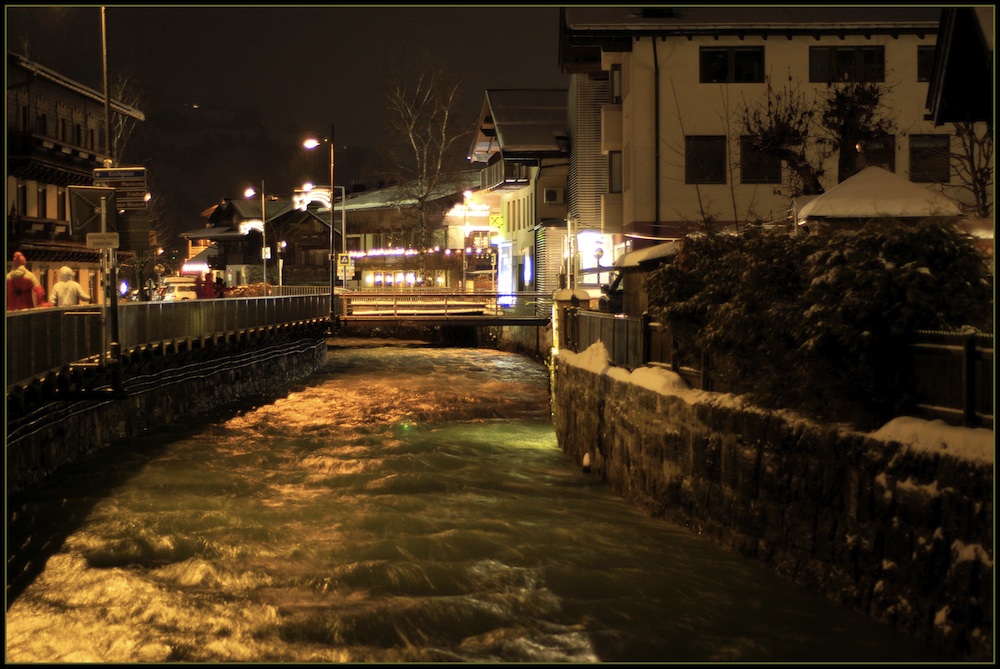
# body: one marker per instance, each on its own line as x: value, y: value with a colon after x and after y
x: 658, y: 97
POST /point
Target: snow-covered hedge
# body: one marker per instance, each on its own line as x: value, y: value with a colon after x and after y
x: 821, y: 322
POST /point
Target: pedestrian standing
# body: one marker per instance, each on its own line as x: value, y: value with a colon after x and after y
x: 24, y: 291
x: 67, y: 292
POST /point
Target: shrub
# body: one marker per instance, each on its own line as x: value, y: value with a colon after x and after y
x: 821, y: 323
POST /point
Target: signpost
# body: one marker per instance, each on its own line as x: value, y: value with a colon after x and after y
x: 346, y: 266
x: 129, y: 187
x: 102, y: 240
x: 129, y: 184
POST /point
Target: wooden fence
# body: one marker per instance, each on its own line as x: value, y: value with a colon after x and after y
x: 953, y: 372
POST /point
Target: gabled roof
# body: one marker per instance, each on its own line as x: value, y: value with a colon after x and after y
x: 452, y: 184
x: 34, y: 69
x: 875, y: 192
x: 522, y: 123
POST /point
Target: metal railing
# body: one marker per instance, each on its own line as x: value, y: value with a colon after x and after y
x: 40, y: 340
x: 427, y: 302
x: 952, y: 372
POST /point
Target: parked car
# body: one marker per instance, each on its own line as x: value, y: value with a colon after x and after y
x: 175, y: 290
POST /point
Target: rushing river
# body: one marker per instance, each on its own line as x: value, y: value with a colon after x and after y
x: 402, y: 504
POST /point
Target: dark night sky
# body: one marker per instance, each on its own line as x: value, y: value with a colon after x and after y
x: 300, y: 69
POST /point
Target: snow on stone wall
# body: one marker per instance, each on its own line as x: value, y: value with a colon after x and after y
x: 901, y: 530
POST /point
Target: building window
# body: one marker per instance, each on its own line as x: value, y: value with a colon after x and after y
x: 616, y: 84
x: 61, y: 196
x: 614, y: 171
x: 925, y: 62
x: 22, y: 199
x: 758, y: 167
x: 43, y: 201
x: 930, y: 159
x: 77, y: 134
x: 846, y: 63
x: 878, y: 152
x: 63, y: 130
x: 737, y: 65
x: 626, y: 160
x: 41, y: 124
x: 705, y: 159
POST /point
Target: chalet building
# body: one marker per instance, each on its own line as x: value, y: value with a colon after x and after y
x: 523, y: 142
x: 230, y: 246
x: 55, y: 139
x: 455, y: 248
x: 656, y: 98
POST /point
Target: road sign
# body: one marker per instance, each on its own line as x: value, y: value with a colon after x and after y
x: 129, y: 182
x: 102, y: 240
x: 343, y: 259
x: 85, y: 209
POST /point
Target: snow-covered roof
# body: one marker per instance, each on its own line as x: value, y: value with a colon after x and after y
x: 522, y: 123
x: 397, y: 196
x: 875, y: 192
x: 635, y: 258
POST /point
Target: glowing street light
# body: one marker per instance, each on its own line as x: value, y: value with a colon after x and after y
x: 310, y: 144
x: 263, y: 229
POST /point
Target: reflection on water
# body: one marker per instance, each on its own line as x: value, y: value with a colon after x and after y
x: 402, y: 505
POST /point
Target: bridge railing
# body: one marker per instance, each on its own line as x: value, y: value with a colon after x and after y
x: 40, y: 340
x: 443, y: 303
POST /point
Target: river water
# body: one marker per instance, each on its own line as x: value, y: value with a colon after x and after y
x: 403, y: 504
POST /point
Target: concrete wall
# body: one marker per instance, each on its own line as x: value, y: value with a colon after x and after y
x: 905, y: 537
x: 63, y: 432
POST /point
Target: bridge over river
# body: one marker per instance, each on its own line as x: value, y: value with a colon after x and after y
x: 75, y: 346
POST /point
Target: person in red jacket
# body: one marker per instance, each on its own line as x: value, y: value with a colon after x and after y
x: 23, y: 288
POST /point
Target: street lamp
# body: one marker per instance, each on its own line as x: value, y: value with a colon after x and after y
x: 310, y: 144
x: 281, y: 264
x: 263, y: 230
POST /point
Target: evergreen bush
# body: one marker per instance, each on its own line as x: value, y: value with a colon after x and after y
x: 821, y: 323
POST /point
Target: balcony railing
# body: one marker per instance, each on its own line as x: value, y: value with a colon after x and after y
x: 504, y: 174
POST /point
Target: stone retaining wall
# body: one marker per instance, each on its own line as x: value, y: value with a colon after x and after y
x: 63, y: 432
x: 905, y: 537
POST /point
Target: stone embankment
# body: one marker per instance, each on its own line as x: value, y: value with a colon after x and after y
x: 178, y: 386
x: 903, y: 535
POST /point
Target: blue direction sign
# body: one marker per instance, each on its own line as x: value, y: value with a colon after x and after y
x: 129, y: 184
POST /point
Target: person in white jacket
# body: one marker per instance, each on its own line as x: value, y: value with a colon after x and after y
x: 67, y: 292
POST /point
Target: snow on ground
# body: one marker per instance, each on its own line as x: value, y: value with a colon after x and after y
x: 928, y: 436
